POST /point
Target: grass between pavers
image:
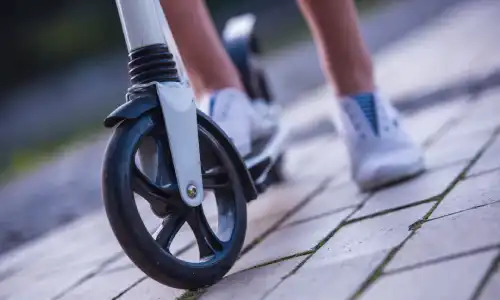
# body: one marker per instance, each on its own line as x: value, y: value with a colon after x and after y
x: 192, y: 295
x: 417, y: 225
x: 443, y: 259
x: 463, y: 210
x: 494, y: 268
x: 413, y: 228
x: 481, y: 173
x: 278, y: 260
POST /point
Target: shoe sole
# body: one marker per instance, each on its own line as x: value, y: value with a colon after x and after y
x: 383, y: 181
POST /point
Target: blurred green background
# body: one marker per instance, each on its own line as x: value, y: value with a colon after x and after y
x: 45, y: 36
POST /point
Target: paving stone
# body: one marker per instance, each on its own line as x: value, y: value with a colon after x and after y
x: 332, y: 199
x: 455, y: 279
x: 276, y: 203
x: 291, y: 240
x: 492, y: 288
x: 429, y: 46
x: 477, y: 121
x: 92, y: 231
x: 327, y: 277
x: 374, y: 234
x: 294, y: 156
x: 108, y: 283
x: 474, y: 191
x: 488, y: 161
x: 151, y: 290
x: 310, y: 116
x: 47, y: 286
x: 316, y: 159
x: 324, y: 162
x: 251, y: 284
x: 452, y: 149
x: 81, y: 248
x: 425, y: 123
x: 425, y: 186
x: 61, y: 259
x: 482, y: 114
x: 455, y: 234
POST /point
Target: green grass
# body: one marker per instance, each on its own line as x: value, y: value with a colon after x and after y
x: 27, y: 159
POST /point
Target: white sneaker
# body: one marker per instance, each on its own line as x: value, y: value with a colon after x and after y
x: 380, y: 151
x: 242, y: 120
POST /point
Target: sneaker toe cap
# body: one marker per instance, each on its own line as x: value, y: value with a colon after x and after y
x: 382, y: 169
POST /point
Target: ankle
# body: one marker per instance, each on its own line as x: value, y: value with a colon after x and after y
x: 355, y: 83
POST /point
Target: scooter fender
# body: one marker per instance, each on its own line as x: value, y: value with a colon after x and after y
x: 138, y: 106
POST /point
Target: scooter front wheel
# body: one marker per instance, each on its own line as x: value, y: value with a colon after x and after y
x: 150, y: 247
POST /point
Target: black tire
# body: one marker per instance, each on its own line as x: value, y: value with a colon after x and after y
x: 129, y: 229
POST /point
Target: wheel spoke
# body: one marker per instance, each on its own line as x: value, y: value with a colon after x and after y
x: 169, y: 228
x: 151, y: 192
x: 208, y: 243
x: 215, y: 178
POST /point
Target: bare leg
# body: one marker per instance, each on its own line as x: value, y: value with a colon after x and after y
x: 208, y: 65
x: 345, y: 59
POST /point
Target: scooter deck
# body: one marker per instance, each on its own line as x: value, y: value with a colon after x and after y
x: 265, y: 155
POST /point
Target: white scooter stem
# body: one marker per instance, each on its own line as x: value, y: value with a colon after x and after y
x: 144, y: 24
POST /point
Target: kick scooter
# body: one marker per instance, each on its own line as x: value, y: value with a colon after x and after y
x: 172, y: 155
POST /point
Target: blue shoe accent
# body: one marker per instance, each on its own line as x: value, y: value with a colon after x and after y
x: 366, y: 102
x: 211, y: 103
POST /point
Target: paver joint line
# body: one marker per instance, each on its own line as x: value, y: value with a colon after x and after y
x: 495, y: 265
x: 378, y: 271
x: 461, y: 211
x: 482, y: 173
x: 388, y: 211
x: 278, y: 260
x: 130, y: 287
x: 321, y: 187
x: 319, y: 216
x: 89, y: 276
x: 442, y: 130
x: 443, y: 259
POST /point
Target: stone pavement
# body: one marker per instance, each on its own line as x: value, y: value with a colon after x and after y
x: 316, y: 236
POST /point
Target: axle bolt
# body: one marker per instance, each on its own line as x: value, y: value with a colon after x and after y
x: 191, y: 191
